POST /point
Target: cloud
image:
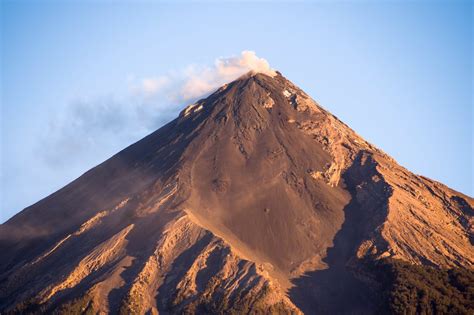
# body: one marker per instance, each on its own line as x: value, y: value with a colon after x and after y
x: 196, y: 81
x: 153, y: 85
x: 89, y: 131
x: 200, y: 81
x: 236, y: 66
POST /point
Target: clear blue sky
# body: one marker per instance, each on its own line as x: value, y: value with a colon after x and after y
x: 399, y: 73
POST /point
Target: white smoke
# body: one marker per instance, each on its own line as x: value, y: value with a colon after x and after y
x: 151, y: 86
x: 196, y: 81
x: 202, y: 81
x: 89, y: 131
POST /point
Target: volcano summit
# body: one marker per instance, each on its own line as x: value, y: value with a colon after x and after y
x: 253, y: 200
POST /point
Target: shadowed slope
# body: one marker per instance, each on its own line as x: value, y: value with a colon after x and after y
x: 336, y: 289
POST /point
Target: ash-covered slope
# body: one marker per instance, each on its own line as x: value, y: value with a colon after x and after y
x: 254, y: 199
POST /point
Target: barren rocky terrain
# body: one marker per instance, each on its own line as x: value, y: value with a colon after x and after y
x: 253, y: 200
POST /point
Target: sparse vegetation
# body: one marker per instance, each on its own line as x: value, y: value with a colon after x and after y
x: 417, y: 289
x: 26, y: 307
x: 82, y: 305
x: 216, y: 301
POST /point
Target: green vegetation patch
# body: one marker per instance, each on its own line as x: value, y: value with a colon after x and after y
x: 417, y: 289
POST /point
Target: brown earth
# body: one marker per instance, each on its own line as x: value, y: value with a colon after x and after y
x: 254, y: 200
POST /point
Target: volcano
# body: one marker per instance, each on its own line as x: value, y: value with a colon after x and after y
x: 254, y: 200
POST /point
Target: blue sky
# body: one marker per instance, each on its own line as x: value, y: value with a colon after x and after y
x: 72, y: 77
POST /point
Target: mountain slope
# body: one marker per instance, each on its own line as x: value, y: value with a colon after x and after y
x: 254, y: 199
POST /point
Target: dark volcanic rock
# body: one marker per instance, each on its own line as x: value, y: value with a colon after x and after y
x: 255, y: 199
